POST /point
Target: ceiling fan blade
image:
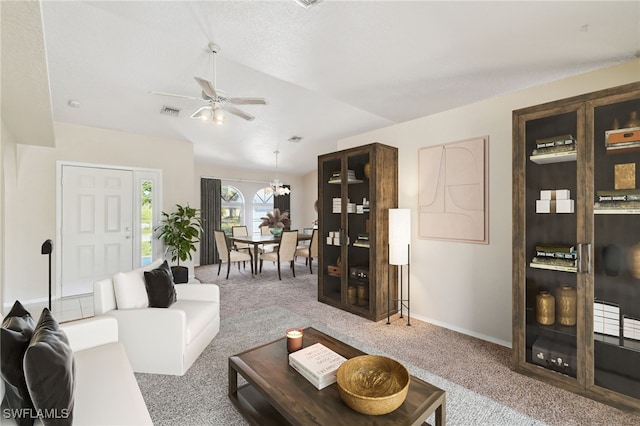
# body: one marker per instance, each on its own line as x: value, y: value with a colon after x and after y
x: 238, y: 112
x: 202, y: 113
x: 247, y: 101
x: 176, y: 96
x: 207, y: 88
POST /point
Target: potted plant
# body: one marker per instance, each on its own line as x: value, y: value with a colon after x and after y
x: 276, y: 221
x: 180, y: 231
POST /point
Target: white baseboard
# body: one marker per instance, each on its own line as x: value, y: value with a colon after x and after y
x: 463, y: 331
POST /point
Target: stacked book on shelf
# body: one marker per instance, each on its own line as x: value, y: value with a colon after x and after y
x: 617, y: 199
x: 554, y: 148
x: 557, y: 257
x: 317, y: 363
x: 337, y: 205
x: 362, y: 241
x: 337, y: 178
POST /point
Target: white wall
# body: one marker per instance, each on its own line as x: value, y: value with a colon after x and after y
x: 30, y: 192
x: 467, y: 287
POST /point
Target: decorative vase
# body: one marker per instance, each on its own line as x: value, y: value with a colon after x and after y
x: 566, y: 308
x: 275, y: 230
x: 363, y: 294
x: 634, y: 261
x: 352, y: 295
x: 545, y: 308
x: 367, y: 170
x: 634, y: 121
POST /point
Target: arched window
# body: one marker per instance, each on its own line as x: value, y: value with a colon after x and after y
x: 262, y: 204
x: 232, y: 208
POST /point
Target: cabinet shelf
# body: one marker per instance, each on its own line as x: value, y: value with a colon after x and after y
x: 556, y: 157
x: 349, y: 182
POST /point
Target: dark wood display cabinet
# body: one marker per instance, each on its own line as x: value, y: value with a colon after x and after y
x: 576, y: 236
x: 356, y: 189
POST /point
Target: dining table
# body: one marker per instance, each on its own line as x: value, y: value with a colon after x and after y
x: 258, y: 240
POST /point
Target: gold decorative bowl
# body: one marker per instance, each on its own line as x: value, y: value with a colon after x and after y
x: 373, y: 384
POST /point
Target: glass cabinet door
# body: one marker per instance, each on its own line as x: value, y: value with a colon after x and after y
x: 615, y: 305
x: 553, y: 140
x: 358, y: 231
x: 331, y: 229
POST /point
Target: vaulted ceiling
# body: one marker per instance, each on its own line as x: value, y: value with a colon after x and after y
x: 336, y: 69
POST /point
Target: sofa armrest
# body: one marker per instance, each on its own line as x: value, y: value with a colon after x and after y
x: 154, y: 338
x: 204, y: 292
x: 90, y: 332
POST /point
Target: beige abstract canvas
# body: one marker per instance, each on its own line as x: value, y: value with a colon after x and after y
x: 452, y: 199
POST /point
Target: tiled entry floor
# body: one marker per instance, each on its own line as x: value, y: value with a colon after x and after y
x: 66, y: 309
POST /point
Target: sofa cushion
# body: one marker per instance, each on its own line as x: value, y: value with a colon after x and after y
x: 17, y: 329
x: 49, y: 371
x: 107, y: 392
x: 130, y: 289
x: 159, y: 286
x: 198, y: 316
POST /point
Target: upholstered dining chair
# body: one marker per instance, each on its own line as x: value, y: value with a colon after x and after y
x: 285, y: 253
x: 310, y: 251
x: 264, y: 230
x: 241, y: 231
x: 229, y: 256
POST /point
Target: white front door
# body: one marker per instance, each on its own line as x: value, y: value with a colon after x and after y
x: 97, y: 221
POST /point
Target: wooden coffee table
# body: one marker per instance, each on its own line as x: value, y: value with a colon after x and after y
x: 276, y: 394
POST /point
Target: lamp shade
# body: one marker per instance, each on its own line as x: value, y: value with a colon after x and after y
x: 399, y: 236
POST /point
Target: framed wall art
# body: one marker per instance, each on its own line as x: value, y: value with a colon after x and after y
x: 453, y: 191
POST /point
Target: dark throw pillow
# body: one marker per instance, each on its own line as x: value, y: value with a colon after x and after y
x: 160, y: 287
x: 49, y: 368
x: 17, y: 329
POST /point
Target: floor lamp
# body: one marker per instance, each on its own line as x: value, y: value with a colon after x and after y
x: 400, y: 254
x: 47, y: 248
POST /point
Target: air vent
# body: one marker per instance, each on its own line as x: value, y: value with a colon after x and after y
x: 172, y: 111
x: 295, y: 139
x: 307, y: 3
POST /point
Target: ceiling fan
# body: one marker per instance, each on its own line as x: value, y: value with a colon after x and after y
x: 217, y: 101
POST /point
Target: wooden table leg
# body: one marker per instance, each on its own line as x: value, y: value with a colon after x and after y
x: 441, y: 415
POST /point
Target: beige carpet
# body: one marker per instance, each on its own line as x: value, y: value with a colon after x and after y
x: 477, y: 365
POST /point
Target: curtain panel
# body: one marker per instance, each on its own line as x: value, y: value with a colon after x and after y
x: 210, y: 205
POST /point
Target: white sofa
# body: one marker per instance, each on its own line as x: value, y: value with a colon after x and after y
x: 106, y: 391
x: 159, y: 340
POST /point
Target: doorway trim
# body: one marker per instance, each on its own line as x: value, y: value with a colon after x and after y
x: 139, y: 174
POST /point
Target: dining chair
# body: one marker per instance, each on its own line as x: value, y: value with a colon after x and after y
x: 264, y: 230
x: 240, y: 231
x: 285, y: 253
x: 310, y: 251
x: 229, y: 256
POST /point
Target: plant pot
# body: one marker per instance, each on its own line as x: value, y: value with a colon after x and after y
x: 180, y: 274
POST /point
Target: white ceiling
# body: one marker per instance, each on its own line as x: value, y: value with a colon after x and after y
x: 337, y: 69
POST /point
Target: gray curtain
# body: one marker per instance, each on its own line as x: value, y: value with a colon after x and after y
x: 283, y: 202
x: 210, y: 203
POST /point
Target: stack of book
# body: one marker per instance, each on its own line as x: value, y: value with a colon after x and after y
x: 362, y: 241
x: 317, y: 363
x: 554, y: 145
x: 560, y: 257
x: 335, y: 178
x: 617, y: 199
x: 337, y: 205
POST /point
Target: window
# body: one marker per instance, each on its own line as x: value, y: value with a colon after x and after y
x: 262, y: 204
x: 232, y: 208
x: 146, y: 221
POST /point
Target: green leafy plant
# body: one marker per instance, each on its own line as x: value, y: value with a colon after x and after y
x: 276, y: 219
x: 180, y: 231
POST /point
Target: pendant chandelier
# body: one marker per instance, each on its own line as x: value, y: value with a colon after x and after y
x: 276, y: 187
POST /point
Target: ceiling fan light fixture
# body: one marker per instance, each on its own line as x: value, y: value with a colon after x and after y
x: 218, y: 115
